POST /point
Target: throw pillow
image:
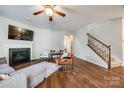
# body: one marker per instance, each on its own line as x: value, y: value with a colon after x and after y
x: 3, y: 76
x: 3, y: 60
x: 64, y: 55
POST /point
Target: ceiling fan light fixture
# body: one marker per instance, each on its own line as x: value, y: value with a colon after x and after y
x: 49, y: 11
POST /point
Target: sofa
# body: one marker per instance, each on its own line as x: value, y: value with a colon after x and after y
x: 38, y: 72
x: 35, y: 74
x: 16, y: 81
x: 27, y: 77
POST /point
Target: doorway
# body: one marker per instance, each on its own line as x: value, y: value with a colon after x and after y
x: 68, y: 42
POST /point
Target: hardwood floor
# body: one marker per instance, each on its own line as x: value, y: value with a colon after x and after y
x: 85, y: 75
x: 17, y: 67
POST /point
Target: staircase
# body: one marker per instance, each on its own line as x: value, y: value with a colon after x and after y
x: 103, y: 51
x: 100, y: 48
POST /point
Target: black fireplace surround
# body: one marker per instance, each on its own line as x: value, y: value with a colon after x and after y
x: 19, y: 56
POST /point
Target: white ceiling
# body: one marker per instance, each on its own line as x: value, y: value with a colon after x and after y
x: 76, y: 15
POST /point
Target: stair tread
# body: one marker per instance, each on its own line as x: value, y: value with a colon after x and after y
x: 114, y: 62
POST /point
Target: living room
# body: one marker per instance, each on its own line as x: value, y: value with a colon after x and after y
x: 86, y: 40
x: 48, y: 39
x: 43, y: 38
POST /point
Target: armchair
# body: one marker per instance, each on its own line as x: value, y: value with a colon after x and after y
x: 45, y: 55
x: 66, y: 62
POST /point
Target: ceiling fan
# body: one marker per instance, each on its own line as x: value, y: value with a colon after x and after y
x: 49, y: 10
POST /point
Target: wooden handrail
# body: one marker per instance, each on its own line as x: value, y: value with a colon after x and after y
x: 100, y: 48
x: 98, y: 40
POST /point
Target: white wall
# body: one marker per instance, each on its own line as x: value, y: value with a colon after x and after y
x: 83, y: 51
x: 48, y: 39
x: 109, y: 31
x: 4, y: 42
x: 123, y: 41
x: 43, y: 39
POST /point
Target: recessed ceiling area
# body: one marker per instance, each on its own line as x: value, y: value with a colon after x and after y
x: 76, y: 15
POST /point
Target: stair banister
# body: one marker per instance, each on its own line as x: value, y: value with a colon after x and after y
x: 101, y: 49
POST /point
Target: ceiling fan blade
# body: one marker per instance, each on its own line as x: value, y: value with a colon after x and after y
x: 45, y: 6
x: 37, y: 13
x: 50, y: 18
x: 59, y: 13
x: 53, y: 6
x: 49, y: 6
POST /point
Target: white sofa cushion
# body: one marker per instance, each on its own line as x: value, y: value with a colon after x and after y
x: 50, y: 68
x: 6, y: 69
x: 18, y: 80
x: 4, y: 66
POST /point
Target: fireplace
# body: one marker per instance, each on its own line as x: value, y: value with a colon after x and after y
x: 19, y: 56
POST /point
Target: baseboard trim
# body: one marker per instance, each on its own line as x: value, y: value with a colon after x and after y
x: 90, y: 62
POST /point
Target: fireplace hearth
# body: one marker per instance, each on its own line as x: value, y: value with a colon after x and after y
x: 19, y: 56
